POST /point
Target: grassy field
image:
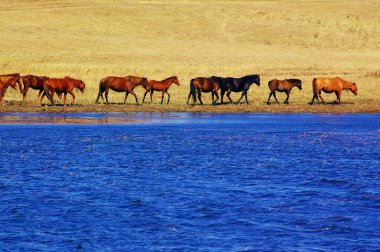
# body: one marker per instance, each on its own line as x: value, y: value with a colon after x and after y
x: 157, y: 39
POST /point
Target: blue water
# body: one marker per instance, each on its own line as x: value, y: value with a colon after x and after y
x: 187, y: 182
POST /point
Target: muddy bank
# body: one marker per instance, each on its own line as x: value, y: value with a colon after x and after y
x: 367, y: 107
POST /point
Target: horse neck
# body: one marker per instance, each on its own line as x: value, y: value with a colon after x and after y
x: 292, y: 84
x: 347, y: 84
x: 169, y: 81
x: 135, y: 84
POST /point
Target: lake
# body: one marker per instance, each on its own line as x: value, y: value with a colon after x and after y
x: 185, y: 182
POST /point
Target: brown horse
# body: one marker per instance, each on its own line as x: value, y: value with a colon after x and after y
x: 163, y: 86
x: 331, y: 85
x: 120, y: 84
x: 34, y: 82
x: 206, y: 85
x: 6, y: 81
x: 283, y: 86
x: 62, y: 86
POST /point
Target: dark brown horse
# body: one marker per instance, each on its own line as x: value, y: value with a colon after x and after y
x: 163, y: 86
x: 331, y: 85
x: 6, y: 81
x: 203, y: 84
x: 62, y: 86
x: 283, y: 86
x: 33, y: 81
x: 120, y: 84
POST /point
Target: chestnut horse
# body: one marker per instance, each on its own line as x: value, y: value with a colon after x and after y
x: 203, y: 84
x: 34, y: 82
x: 283, y: 86
x: 163, y: 86
x: 6, y: 81
x: 62, y: 85
x: 331, y: 85
x: 120, y: 84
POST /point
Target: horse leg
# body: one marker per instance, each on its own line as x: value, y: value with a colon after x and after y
x: 168, y: 97
x: 38, y: 95
x: 241, y: 97
x: 212, y: 97
x: 100, y: 94
x: 42, y: 97
x: 24, y: 91
x: 320, y: 96
x: 338, y: 95
x: 162, y: 96
x: 137, y: 100
x: 73, y: 95
x: 315, y: 96
x: 199, y: 97
x: 151, y: 96
x: 106, y: 95
x: 125, y: 97
x: 274, y: 95
x: 270, y: 95
x: 64, y: 98
x: 221, y: 96
x: 217, y: 97
x: 287, y: 98
x: 246, y: 97
x: 146, y: 92
x: 188, y: 98
x: 229, y: 97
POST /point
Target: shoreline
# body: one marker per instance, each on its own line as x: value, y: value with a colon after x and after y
x: 344, y: 108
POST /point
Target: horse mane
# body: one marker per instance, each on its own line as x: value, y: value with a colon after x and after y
x: 346, y: 84
x: 169, y: 78
x: 11, y: 75
x: 251, y: 77
x: 294, y: 81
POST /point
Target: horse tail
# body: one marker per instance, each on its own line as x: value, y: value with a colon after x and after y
x: 193, y: 90
x: 315, y: 87
x: 101, y: 91
x: 47, y: 93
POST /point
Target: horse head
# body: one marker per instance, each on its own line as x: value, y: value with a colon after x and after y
x: 13, y: 82
x: 354, y: 89
x: 298, y: 84
x: 144, y: 82
x: 79, y: 85
x: 254, y: 78
x: 175, y: 80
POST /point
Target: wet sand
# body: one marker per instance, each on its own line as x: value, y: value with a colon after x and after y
x: 367, y: 107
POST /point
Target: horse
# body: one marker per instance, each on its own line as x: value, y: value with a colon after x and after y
x: 120, y: 84
x: 6, y: 81
x: 34, y: 82
x: 62, y: 85
x: 203, y: 84
x: 223, y: 85
x: 236, y: 85
x: 163, y: 86
x: 283, y: 86
x: 331, y: 85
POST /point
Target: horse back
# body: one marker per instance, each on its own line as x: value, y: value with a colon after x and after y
x: 57, y: 84
x: 205, y: 84
x: 328, y: 85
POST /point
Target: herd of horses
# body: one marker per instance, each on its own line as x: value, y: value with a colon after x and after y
x: 49, y: 86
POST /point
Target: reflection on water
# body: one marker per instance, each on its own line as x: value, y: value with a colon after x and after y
x: 182, y: 181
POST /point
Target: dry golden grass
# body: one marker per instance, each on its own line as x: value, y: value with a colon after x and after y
x: 90, y: 39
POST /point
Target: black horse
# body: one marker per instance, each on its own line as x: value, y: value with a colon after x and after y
x: 236, y: 85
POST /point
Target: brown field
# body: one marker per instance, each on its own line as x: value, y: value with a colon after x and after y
x: 157, y: 39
